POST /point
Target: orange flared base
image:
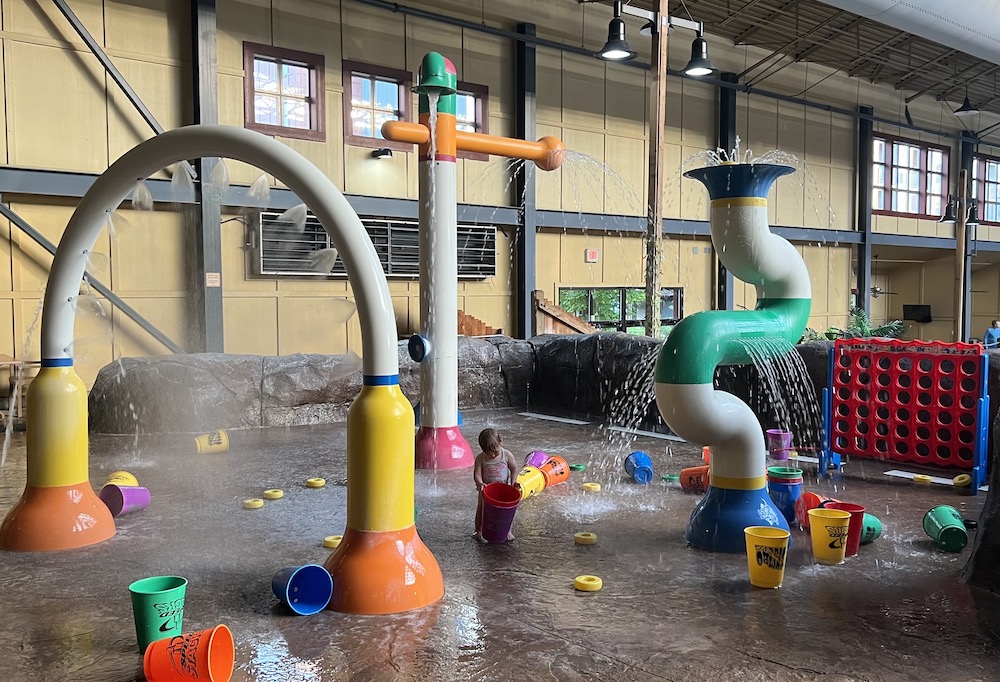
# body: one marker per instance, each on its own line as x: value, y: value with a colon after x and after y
x: 383, y: 572
x: 61, y: 517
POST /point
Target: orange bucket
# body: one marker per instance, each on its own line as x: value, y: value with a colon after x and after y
x: 695, y: 479
x: 806, y: 502
x: 204, y: 655
x: 555, y: 470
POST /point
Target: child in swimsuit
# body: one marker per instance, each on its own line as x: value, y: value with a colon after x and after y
x: 495, y: 464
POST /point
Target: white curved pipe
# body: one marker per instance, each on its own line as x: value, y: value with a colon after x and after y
x: 745, y: 244
x: 375, y: 312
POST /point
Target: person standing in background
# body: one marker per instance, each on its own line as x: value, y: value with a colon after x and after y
x: 991, y: 339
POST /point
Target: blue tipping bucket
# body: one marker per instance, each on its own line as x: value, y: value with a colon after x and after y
x: 304, y: 589
x: 639, y: 467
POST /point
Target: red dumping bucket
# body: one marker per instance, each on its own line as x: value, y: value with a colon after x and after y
x: 500, y: 502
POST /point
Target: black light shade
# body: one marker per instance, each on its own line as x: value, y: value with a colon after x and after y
x: 699, y: 64
x: 617, y: 48
x: 949, y: 212
x: 382, y: 153
x: 648, y: 28
x: 966, y: 109
x: 973, y: 215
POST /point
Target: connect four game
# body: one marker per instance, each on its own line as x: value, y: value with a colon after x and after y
x: 919, y: 402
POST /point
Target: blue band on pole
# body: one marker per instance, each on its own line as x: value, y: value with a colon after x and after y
x: 381, y: 380
x: 57, y: 362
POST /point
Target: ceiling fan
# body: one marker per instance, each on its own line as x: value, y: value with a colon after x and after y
x: 876, y: 290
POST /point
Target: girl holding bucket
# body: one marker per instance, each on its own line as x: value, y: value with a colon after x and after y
x: 495, y: 464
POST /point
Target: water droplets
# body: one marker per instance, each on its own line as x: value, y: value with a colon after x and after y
x: 142, y: 199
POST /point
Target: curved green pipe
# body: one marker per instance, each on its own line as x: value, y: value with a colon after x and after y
x: 710, y: 338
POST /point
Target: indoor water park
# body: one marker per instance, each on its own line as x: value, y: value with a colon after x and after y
x: 382, y: 395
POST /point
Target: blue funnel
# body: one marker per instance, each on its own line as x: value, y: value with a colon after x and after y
x: 739, y: 179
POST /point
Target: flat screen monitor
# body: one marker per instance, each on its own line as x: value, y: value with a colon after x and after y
x: 917, y: 313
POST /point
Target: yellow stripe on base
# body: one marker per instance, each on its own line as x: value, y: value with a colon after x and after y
x: 730, y: 202
x: 733, y: 483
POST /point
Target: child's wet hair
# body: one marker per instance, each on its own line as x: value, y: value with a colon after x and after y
x: 489, y: 440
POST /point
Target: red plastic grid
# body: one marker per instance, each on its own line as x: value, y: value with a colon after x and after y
x: 906, y: 401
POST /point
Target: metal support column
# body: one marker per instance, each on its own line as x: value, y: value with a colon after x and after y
x: 967, y: 150
x: 727, y: 142
x: 524, y: 182
x: 207, y: 276
x: 866, y: 136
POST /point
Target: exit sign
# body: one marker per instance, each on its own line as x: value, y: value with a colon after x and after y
x: 591, y: 255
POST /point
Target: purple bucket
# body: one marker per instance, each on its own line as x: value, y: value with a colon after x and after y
x: 779, y: 442
x: 499, y: 506
x: 122, y: 499
x: 536, y: 459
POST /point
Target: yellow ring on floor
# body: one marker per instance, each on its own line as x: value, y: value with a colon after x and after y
x: 332, y: 541
x: 922, y: 478
x: 588, y: 583
x: 591, y: 487
x: 585, y: 538
x: 962, y: 480
x: 253, y: 503
x: 315, y: 482
x: 273, y: 494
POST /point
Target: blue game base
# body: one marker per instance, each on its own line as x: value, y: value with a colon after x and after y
x: 718, y: 521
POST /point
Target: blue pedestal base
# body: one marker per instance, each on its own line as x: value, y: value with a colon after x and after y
x: 718, y: 521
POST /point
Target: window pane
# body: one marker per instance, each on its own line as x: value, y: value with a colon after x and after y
x: 387, y: 95
x: 878, y: 176
x: 934, y: 160
x: 635, y: 304
x: 992, y: 213
x: 991, y: 171
x: 914, y: 157
x: 294, y: 80
x: 895, y: 153
x: 265, y: 109
x: 668, y: 304
x: 380, y: 118
x: 607, y: 305
x: 933, y: 205
x: 878, y: 150
x: 361, y: 90
x: 265, y: 76
x: 878, y: 199
x: 574, y: 301
x: 991, y: 192
x: 467, y: 127
x: 361, y: 122
x: 295, y: 114
x: 897, y: 174
x: 462, y: 108
x: 914, y: 183
x: 914, y: 203
x: 934, y: 183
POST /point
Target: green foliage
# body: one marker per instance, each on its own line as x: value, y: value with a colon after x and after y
x: 810, y: 334
x: 861, y: 328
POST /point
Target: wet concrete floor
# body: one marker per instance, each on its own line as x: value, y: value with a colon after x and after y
x: 898, y: 611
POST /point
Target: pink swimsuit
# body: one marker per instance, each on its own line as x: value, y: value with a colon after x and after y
x: 496, y: 471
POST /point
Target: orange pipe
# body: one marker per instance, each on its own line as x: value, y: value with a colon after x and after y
x: 547, y: 153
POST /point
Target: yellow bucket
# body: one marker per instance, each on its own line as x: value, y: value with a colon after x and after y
x: 217, y: 441
x: 828, y: 528
x: 766, y: 549
x: 531, y: 481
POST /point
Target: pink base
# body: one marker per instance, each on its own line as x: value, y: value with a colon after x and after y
x: 443, y: 447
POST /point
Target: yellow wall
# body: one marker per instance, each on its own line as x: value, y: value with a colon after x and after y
x: 80, y: 122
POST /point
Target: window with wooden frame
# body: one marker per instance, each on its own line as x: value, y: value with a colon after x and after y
x: 372, y: 96
x: 621, y: 308
x: 472, y: 114
x: 986, y: 187
x: 909, y: 178
x: 283, y: 92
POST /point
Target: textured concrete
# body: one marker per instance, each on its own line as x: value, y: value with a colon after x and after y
x: 899, y: 611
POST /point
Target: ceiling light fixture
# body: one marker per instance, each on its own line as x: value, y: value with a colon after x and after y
x: 699, y: 64
x: 966, y: 109
x: 617, y: 48
x: 949, y: 211
x: 382, y: 153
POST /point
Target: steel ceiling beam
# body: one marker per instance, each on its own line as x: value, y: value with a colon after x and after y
x: 782, y: 50
x: 958, y: 86
x: 761, y: 24
x: 860, y: 61
x: 737, y: 13
x: 913, y: 73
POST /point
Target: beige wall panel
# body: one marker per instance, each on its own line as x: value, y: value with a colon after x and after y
x: 673, y: 130
x: 239, y: 21
x: 486, y: 60
x: 157, y: 28
x: 583, y: 91
x: 818, y: 210
x: 548, y: 186
x: 907, y: 226
x: 4, y: 146
x: 761, y: 125
x: 627, y: 102
x: 937, y: 280
x: 401, y: 311
x: 572, y: 270
x: 788, y: 197
x: 818, y: 149
x: 310, y: 26
x: 817, y: 262
x: 941, y: 229
x: 843, y: 133
x: 32, y: 262
x: 27, y: 317
x: 839, y: 284
x: 337, y: 288
x: 672, y: 179
x: 150, y: 252
x: 626, y: 177
x: 159, y: 86
x: 623, y: 259
x: 842, y: 186
x: 8, y: 345
x: 310, y: 325
x: 251, y: 325
x: 231, y: 113
x: 547, y: 266
x: 694, y: 198
x: 423, y: 36
x: 168, y: 314
x: 378, y: 177
x: 885, y: 223
x: 792, y: 130
x: 671, y: 269
x: 695, y: 274
x: 494, y: 311
x: 44, y: 20
x: 583, y: 186
x: 6, y: 264
x: 490, y: 182
x: 372, y: 35
x: 548, y: 102
x: 93, y: 338
x: 698, y: 114
x: 327, y: 156
x: 64, y: 124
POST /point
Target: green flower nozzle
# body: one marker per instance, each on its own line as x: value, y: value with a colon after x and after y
x: 435, y: 76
